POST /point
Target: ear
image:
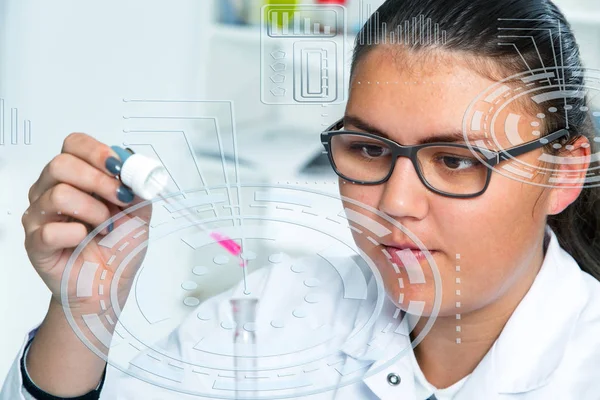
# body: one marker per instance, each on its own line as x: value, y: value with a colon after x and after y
x: 569, y: 177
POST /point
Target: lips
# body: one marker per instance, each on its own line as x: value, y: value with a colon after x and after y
x: 407, y: 256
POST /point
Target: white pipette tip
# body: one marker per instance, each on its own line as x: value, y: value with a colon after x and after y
x: 146, y: 177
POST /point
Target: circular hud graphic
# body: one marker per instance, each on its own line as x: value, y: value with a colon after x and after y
x: 229, y: 344
x: 503, y: 127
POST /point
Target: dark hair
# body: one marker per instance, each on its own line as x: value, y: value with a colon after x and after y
x: 472, y: 27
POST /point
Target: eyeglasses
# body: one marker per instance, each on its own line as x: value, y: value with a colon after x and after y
x: 449, y: 169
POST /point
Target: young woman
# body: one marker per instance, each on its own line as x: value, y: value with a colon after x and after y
x: 528, y: 297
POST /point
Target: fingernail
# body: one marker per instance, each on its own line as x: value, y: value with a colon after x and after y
x: 122, y: 153
x: 113, y: 165
x: 124, y: 194
x: 111, y: 226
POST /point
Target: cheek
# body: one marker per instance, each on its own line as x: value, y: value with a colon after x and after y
x: 367, y: 195
x: 506, y: 213
x: 493, y: 236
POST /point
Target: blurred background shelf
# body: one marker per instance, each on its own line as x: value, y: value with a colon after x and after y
x: 591, y: 18
x: 242, y: 34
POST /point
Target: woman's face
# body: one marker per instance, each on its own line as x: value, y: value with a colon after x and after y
x: 497, y: 235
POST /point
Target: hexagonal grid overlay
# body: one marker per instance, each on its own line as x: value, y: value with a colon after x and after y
x: 336, y: 305
x: 302, y: 54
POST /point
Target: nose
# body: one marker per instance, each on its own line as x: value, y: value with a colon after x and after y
x: 404, y: 195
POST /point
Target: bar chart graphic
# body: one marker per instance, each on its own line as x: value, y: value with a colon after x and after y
x: 302, y: 54
x: 302, y: 25
x: 20, y: 131
x: 415, y: 31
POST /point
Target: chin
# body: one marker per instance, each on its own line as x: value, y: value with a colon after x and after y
x: 420, y: 299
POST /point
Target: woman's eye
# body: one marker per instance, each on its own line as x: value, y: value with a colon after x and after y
x: 458, y: 163
x: 370, y: 150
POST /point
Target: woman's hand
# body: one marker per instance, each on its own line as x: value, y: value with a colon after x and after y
x: 76, y: 192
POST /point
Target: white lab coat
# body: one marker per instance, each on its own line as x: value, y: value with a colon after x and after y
x: 549, y: 349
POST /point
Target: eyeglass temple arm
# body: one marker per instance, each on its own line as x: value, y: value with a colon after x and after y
x: 337, y: 125
x: 504, y: 155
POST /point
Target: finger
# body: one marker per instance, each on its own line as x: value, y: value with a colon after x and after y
x: 66, y: 168
x: 53, y: 237
x: 63, y: 201
x: 90, y: 150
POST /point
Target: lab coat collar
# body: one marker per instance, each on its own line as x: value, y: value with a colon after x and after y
x: 533, y: 340
x: 530, y: 346
x: 399, y: 348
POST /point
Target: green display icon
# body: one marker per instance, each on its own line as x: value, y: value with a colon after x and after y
x: 279, y: 12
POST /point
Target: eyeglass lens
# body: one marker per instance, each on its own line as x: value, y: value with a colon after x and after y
x: 449, y: 169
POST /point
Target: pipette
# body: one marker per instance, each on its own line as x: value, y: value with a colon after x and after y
x: 148, y: 179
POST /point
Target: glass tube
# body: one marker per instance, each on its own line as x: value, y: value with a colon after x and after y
x: 244, y: 347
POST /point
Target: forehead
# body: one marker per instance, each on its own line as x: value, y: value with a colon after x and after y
x: 414, y: 82
x: 410, y: 95
x: 399, y: 61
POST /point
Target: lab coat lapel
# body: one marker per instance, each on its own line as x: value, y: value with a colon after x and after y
x: 533, y: 341
x: 399, y: 348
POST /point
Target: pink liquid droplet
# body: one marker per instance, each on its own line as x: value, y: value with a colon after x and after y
x: 228, y: 244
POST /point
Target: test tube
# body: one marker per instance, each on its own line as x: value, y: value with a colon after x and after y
x: 244, y: 347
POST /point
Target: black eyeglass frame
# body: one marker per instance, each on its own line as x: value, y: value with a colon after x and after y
x: 492, y: 158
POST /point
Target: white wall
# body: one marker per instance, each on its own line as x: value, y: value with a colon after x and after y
x: 66, y: 65
x: 584, y: 17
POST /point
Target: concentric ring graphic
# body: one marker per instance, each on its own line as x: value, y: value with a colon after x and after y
x: 488, y: 114
x: 305, y: 344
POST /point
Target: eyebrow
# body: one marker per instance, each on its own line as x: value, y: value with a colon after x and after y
x: 449, y: 137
